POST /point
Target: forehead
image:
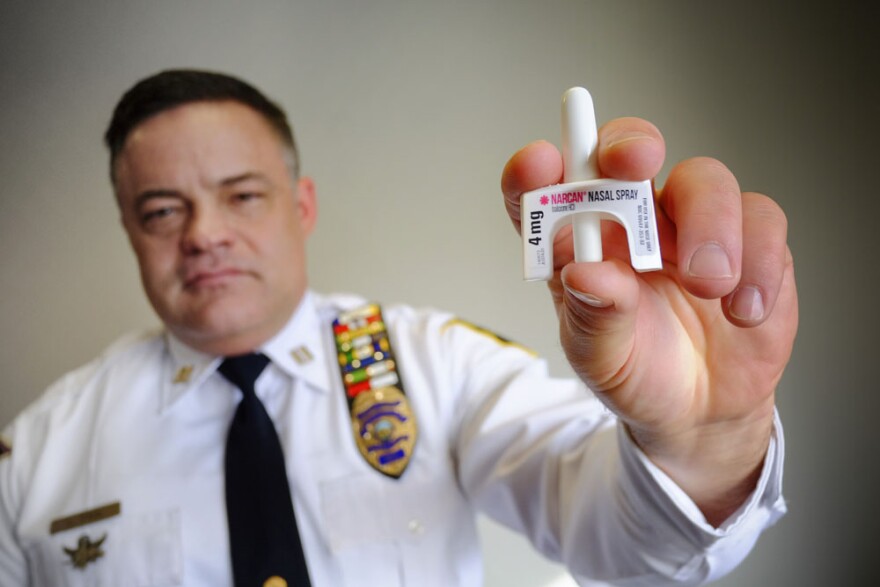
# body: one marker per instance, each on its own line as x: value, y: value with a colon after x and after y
x: 200, y: 141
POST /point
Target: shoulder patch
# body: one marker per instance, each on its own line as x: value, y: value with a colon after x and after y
x: 501, y: 340
x: 5, y: 448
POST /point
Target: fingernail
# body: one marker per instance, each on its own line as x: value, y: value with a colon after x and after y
x: 588, y: 299
x: 710, y: 261
x: 747, y: 304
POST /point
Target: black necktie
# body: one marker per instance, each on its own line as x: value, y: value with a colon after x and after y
x: 263, y: 538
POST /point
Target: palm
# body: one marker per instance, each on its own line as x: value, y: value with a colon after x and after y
x: 682, y: 363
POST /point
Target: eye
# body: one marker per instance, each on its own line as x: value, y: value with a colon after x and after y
x: 158, y: 213
x: 247, y: 202
x: 243, y: 197
x: 160, y: 217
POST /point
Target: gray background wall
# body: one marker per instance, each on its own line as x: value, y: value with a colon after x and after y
x: 405, y: 114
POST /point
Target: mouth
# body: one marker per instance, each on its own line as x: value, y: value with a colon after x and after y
x: 212, y: 278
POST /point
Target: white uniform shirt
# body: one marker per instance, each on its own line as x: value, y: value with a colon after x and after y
x: 145, y: 425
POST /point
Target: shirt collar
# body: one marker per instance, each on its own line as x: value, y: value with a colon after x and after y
x: 297, y: 349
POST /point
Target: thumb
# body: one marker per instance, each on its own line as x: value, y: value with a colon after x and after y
x: 597, y: 321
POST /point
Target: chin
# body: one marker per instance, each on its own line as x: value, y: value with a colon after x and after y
x: 220, y: 326
x: 222, y: 341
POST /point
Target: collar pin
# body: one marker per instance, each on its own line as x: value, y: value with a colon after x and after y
x: 302, y: 355
x: 183, y: 374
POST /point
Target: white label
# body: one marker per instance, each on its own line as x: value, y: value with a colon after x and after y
x: 545, y: 211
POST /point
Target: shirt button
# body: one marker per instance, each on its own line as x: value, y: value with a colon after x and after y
x: 416, y: 527
x: 275, y: 581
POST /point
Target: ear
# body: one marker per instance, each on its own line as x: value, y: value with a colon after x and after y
x: 307, y: 204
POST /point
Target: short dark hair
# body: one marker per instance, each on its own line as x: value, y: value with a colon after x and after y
x: 176, y: 87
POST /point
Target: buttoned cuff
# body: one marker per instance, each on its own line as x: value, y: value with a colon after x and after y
x: 655, y: 495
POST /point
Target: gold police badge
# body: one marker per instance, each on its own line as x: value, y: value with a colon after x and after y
x: 382, y: 420
x: 384, y: 429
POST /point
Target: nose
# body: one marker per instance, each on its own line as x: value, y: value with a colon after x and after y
x: 206, y: 230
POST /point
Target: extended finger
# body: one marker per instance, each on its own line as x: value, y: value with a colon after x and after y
x: 764, y: 257
x: 702, y: 198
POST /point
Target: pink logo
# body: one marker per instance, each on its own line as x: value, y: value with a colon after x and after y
x: 544, y: 200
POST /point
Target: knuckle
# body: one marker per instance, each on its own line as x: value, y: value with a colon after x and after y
x: 766, y: 210
x: 713, y: 178
x: 709, y: 166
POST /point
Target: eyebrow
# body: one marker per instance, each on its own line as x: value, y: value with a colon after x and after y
x: 153, y: 194
x: 247, y: 176
x: 171, y: 193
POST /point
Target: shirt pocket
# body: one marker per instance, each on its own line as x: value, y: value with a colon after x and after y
x: 378, y: 530
x: 139, y: 550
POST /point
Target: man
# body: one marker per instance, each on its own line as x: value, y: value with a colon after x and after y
x: 395, y: 424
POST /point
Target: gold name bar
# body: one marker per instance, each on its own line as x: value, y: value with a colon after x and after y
x: 85, y: 518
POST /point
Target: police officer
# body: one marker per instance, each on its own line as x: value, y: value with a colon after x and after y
x: 269, y: 435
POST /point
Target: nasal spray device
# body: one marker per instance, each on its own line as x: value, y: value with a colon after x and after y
x: 584, y: 200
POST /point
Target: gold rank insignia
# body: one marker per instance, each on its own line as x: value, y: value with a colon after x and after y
x: 86, y: 551
x: 183, y: 374
x: 382, y: 420
x: 302, y: 355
